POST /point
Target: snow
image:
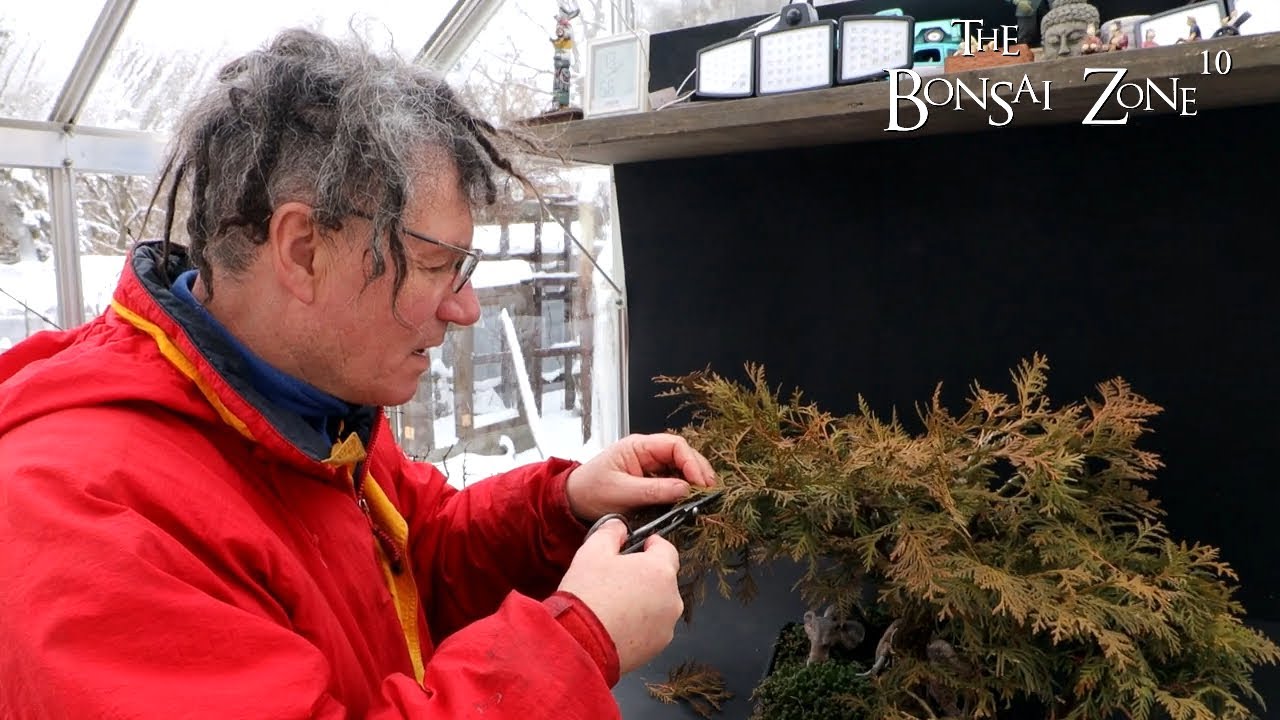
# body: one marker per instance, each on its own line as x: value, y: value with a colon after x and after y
x: 35, y: 283
x: 520, y: 237
x: 501, y: 273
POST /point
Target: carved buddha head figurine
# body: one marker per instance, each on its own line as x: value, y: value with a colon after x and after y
x: 1066, y: 25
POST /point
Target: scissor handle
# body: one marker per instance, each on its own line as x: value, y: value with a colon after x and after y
x: 606, y: 518
x: 633, y: 542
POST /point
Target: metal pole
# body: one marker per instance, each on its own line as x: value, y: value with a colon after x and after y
x: 624, y: 352
x: 93, y: 58
x: 66, y: 255
x: 456, y: 32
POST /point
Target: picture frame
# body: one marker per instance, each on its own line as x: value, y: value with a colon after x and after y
x: 616, y: 80
x: 1264, y: 16
x: 1171, y: 25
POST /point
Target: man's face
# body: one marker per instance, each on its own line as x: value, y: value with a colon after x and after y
x: 370, y: 355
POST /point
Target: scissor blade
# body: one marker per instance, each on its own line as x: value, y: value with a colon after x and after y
x: 670, y: 520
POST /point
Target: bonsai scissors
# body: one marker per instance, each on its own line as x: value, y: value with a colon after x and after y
x: 679, y: 515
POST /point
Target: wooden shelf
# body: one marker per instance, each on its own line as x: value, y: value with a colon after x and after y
x: 859, y: 113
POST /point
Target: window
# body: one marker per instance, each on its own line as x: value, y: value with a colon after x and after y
x: 538, y: 375
x: 28, y: 285
x: 39, y: 44
x: 660, y: 15
x: 109, y: 214
x: 170, y: 51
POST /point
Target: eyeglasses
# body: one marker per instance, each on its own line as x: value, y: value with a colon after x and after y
x: 462, y: 269
x: 465, y: 265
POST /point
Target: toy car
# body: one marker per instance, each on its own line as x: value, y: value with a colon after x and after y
x: 935, y: 40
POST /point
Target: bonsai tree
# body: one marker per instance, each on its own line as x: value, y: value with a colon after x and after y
x: 1013, y: 549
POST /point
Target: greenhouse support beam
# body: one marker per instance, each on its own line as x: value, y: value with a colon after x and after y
x: 456, y: 32
x: 39, y: 144
x: 66, y: 250
x: 93, y: 58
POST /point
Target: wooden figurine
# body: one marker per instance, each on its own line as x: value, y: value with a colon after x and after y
x: 563, y: 58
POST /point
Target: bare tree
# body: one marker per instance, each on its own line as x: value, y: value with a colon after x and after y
x: 25, y: 227
x: 154, y: 89
x: 21, y: 93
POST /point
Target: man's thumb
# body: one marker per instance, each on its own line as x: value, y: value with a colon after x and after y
x: 609, y: 530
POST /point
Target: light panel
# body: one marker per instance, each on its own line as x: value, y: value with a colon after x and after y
x: 727, y: 69
x: 1264, y: 16
x: 796, y: 58
x: 872, y: 45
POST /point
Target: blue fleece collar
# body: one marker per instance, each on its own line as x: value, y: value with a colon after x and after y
x: 317, y: 408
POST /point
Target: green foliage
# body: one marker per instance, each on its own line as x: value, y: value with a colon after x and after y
x: 792, y: 646
x: 1016, y: 533
x: 829, y: 690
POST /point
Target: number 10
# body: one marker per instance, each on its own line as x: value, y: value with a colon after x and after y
x: 1221, y: 62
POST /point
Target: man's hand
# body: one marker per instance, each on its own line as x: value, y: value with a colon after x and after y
x: 634, y: 596
x: 635, y: 472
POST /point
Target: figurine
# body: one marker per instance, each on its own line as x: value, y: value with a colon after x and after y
x: 1065, y: 25
x: 1231, y: 25
x: 1092, y: 43
x: 1193, y: 31
x: 1149, y: 38
x: 1119, y: 39
x: 1025, y: 11
x: 972, y: 45
x: 826, y: 632
x: 563, y: 44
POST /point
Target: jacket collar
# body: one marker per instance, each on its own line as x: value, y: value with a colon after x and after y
x: 199, y: 350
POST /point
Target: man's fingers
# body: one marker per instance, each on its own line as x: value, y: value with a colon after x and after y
x: 633, y: 492
x: 668, y: 450
x: 658, y: 546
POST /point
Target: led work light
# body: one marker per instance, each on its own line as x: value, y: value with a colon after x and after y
x: 872, y: 45
x: 796, y: 54
x: 727, y: 69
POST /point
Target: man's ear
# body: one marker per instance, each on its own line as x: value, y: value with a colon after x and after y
x: 293, y: 244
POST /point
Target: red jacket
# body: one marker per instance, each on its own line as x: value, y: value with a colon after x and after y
x: 173, y: 545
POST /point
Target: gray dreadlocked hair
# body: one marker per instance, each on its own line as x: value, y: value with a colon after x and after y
x: 328, y: 123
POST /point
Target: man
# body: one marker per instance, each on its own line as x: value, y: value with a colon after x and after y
x: 202, y: 512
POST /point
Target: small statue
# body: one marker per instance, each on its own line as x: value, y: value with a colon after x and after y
x: 1231, y: 25
x: 1193, y: 31
x: 1119, y: 39
x: 563, y: 58
x: 826, y: 632
x: 1025, y: 12
x: 1091, y: 43
x: 1064, y: 26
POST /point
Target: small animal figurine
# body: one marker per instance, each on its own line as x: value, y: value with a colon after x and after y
x: 884, y: 650
x: 826, y: 631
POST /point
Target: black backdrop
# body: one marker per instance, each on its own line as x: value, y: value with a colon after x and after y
x: 885, y: 268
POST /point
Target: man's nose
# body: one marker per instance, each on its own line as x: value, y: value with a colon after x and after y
x: 461, y: 308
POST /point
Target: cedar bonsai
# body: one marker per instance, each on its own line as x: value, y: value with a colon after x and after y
x: 1014, y: 545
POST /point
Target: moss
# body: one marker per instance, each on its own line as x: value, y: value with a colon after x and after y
x: 822, y: 691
